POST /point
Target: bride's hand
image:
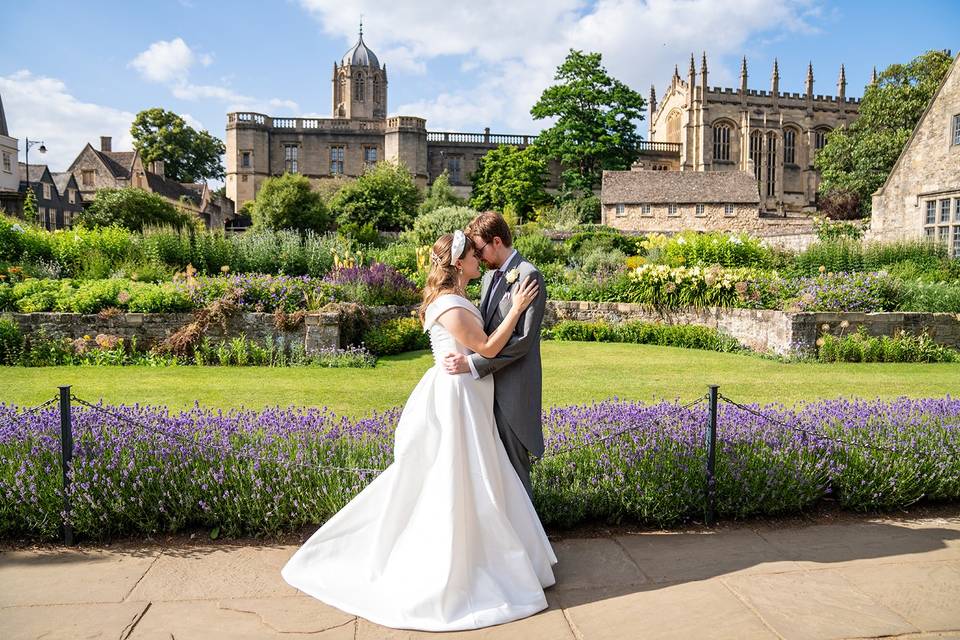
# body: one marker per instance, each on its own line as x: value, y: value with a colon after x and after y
x: 525, y: 294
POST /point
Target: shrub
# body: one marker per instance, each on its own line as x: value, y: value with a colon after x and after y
x: 11, y: 239
x: 396, y: 336
x: 662, y: 286
x: 402, y: 256
x: 154, y: 298
x: 687, y: 336
x: 131, y: 208
x: 94, y: 295
x: 862, y: 347
x: 361, y: 234
x: 288, y: 202
x: 587, y: 241
x: 601, y: 262
x: 845, y: 254
x: 846, y: 292
x: 385, y: 196
x: 705, y: 249
x: 377, y: 284
x: 941, y: 297
x: 440, y: 194
x: 11, y: 342
x: 538, y: 249
x: 430, y: 226
x: 840, y: 204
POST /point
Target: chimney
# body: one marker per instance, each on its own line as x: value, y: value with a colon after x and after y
x: 157, y: 167
x: 106, y: 143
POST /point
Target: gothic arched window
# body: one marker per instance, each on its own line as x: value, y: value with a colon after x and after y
x: 341, y: 88
x: 771, y: 163
x: 756, y: 153
x: 376, y: 90
x: 820, y: 138
x: 673, y: 127
x: 789, y: 146
x: 721, y: 142
x: 358, y: 87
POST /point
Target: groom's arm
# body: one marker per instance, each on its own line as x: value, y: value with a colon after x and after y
x: 519, y: 345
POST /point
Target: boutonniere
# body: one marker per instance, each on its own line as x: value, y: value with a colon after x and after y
x: 512, y: 275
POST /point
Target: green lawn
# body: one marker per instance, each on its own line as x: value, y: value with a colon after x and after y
x: 573, y: 373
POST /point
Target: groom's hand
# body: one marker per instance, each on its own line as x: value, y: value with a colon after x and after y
x: 456, y: 363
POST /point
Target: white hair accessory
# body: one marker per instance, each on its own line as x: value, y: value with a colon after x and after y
x: 459, y: 240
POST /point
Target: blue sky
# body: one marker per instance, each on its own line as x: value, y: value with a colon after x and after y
x: 70, y: 72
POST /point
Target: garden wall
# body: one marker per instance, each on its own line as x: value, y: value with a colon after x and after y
x: 764, y: 329
x: 761, y: 330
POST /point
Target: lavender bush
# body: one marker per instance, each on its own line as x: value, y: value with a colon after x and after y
x: 375, y: 284
x: 857, y: 291
x: 260, y: 472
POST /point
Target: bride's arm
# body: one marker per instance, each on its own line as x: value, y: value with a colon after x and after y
x: 463, y: 325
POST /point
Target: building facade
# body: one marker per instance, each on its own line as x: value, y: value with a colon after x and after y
x: 357, y: 136
x: 9, y: 168
x: 921, y: 196
x: 37, y: 177
x: 771, y: 135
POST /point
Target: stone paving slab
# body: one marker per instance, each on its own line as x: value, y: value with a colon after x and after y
x: 856, y: 579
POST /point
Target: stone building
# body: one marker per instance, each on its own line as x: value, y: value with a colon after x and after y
x: 921, y: 196
x: 647, y: 201
x: 772, y: 135
x: 108, y: 169
x: 358, y: 135
x: 9, y: 168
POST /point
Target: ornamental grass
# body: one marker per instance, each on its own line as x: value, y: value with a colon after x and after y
x: 141, y: 469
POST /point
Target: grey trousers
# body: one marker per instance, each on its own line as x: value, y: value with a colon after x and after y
x: 518, y: 454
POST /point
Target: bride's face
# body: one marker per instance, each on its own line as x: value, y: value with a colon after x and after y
x: 470, y: 265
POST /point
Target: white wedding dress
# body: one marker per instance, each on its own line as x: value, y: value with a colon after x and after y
x: 445, y: 538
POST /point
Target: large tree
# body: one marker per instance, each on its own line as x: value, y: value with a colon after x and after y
x: 507, y: 177
x: 596, y: 125
x: 288, y: 202
x: 857, y: 159
x: 385, y: 196
x: 188, y: 155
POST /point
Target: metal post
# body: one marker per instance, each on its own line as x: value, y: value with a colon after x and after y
x: 712, y: 458
x: 66, y: 447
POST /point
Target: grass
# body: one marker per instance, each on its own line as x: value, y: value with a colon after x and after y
x: 574, y: 372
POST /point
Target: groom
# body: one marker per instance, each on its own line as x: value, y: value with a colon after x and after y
x: 516, y: 369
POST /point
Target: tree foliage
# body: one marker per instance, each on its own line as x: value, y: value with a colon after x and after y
x: 188, y: 155
x: 509, y: 178
x: 440, y: 194
x: 30, y: 211
x: 858, y: 158
x: 596, y: 125
x: 385, y: 196
x: 288, y: 202
x: 132, y: 209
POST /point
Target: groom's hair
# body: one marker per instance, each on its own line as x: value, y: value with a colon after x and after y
x: 489, y: 225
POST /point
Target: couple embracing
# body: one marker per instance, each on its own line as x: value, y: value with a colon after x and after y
x: 447, y: 538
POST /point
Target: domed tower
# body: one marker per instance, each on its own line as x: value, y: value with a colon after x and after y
x: 359, y: 84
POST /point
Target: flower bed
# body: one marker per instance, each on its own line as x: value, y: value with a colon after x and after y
x: 247, y: 472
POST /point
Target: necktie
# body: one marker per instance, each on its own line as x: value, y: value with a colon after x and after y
x: 497, y: 275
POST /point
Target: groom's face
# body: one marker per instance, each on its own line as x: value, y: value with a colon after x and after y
x: 485, y: 251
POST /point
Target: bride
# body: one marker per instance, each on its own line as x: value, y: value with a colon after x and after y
x: 446, y: 538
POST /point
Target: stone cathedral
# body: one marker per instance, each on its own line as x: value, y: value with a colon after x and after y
x: 771, y: 135
x: 358, y: 135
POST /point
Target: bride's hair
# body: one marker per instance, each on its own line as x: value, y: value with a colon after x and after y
x: 443, y: 275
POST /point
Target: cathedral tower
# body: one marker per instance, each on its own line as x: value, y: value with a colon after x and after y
x: 359, y: 84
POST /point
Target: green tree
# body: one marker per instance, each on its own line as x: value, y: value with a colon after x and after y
x: 858, y: 158
x: 132, y: 209
x: 385, y: 196
x: 440, y: 194
x: 30, y: 211
x: 509, y: 178
x: 288, y: 202
x: 188, y: 155
x: 596, y: 125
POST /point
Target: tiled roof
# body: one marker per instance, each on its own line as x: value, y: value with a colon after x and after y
x: 36, y: 172
x: 680, y: 187
x: 62, y: 180
x: 170, y: 188
x: 119, y: 162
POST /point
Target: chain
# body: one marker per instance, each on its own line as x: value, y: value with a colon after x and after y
x: 24, y: 412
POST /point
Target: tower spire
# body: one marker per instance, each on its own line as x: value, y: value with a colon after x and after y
x: 873, y: 76
x: 775, y: 79
x: 810, y: 79
x: 361, y: 26
x: 842, y: 84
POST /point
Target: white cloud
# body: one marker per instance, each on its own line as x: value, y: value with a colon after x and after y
x: 513, y: 47
x: 43, y: 108
x: 169, y: 62
x: 166, y: 61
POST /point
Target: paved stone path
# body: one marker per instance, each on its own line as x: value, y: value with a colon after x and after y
x: 857, y: 579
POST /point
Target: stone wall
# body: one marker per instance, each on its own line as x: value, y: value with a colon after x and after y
x: 765, y: 329
x: 759, y: 329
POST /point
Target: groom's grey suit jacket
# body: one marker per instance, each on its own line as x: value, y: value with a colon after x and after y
x: 516, y: 369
